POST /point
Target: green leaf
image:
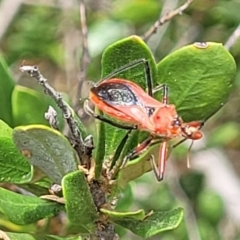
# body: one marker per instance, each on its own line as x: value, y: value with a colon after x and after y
x: 7, y: 85
x: 5, y: 129
x: 200, y: 79
x: 113, y: 215
x: 29, y: 107
x: 80, y: 207
x: 157, y: 222
x: 127, y: 50
x: 26, y: 236
x: 22, y: 209
x: 137, y: 167
x: 46, y: 149
x: 126, y: 200
x: 100, y: 148
x: 128, y: 11
x: 14, y: 167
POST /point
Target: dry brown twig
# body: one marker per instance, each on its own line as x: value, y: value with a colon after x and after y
x: 165, y: 19
x: 85, y: 57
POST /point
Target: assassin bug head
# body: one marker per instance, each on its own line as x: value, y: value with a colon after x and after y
x: 192, y: 130
x: 178, y: 128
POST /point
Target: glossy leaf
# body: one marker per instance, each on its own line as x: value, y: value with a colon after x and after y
x: 5, y: 129
x: 127, y: 199
x: 26, y: 236
x: 14, y: 167
x: 128, y: 50
x: 80, y: 207
x: 100, y: 147
x: 46, y: 149
x: 157, y: 222
x: 22, y: 209
x: 137, y: 167
x: 200, y: 78
x: 29, y: 107
x: 115, y: 56
x: 129, y: 11
x: 113, y: 215
x: 7, y: 86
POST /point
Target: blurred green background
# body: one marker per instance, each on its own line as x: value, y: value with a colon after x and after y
x: 47, y: 33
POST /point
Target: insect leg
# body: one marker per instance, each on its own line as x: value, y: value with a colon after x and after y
x: 137, y: 150
x: 148, y: 76
x: 164, y: 88
x: 159, y: 170
x: 130, y: 65
x: 119, y: 149
x: 90, y: 112
x: 120, y: 164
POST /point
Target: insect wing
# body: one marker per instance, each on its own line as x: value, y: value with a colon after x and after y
x: 117, y: 111
x: 136, y: 93
x: 124, y: 100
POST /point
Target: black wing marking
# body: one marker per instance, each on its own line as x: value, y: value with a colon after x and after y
x: 116, y: 94
x: 119, y: 94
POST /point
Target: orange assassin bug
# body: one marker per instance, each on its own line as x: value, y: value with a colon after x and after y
x: 126, y: 101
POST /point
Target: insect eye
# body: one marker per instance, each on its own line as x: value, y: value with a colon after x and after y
x: 177, y: 122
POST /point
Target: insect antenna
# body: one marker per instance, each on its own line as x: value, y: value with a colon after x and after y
x: 188, y: 154
x: 119, y: 150
x: 164, y: 88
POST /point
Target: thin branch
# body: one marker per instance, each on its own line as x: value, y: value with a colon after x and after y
x: 154, y: 40
x: 165, y: 19
x: 233, y: 38
x: 67, y: 114
x: 85, y: 58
